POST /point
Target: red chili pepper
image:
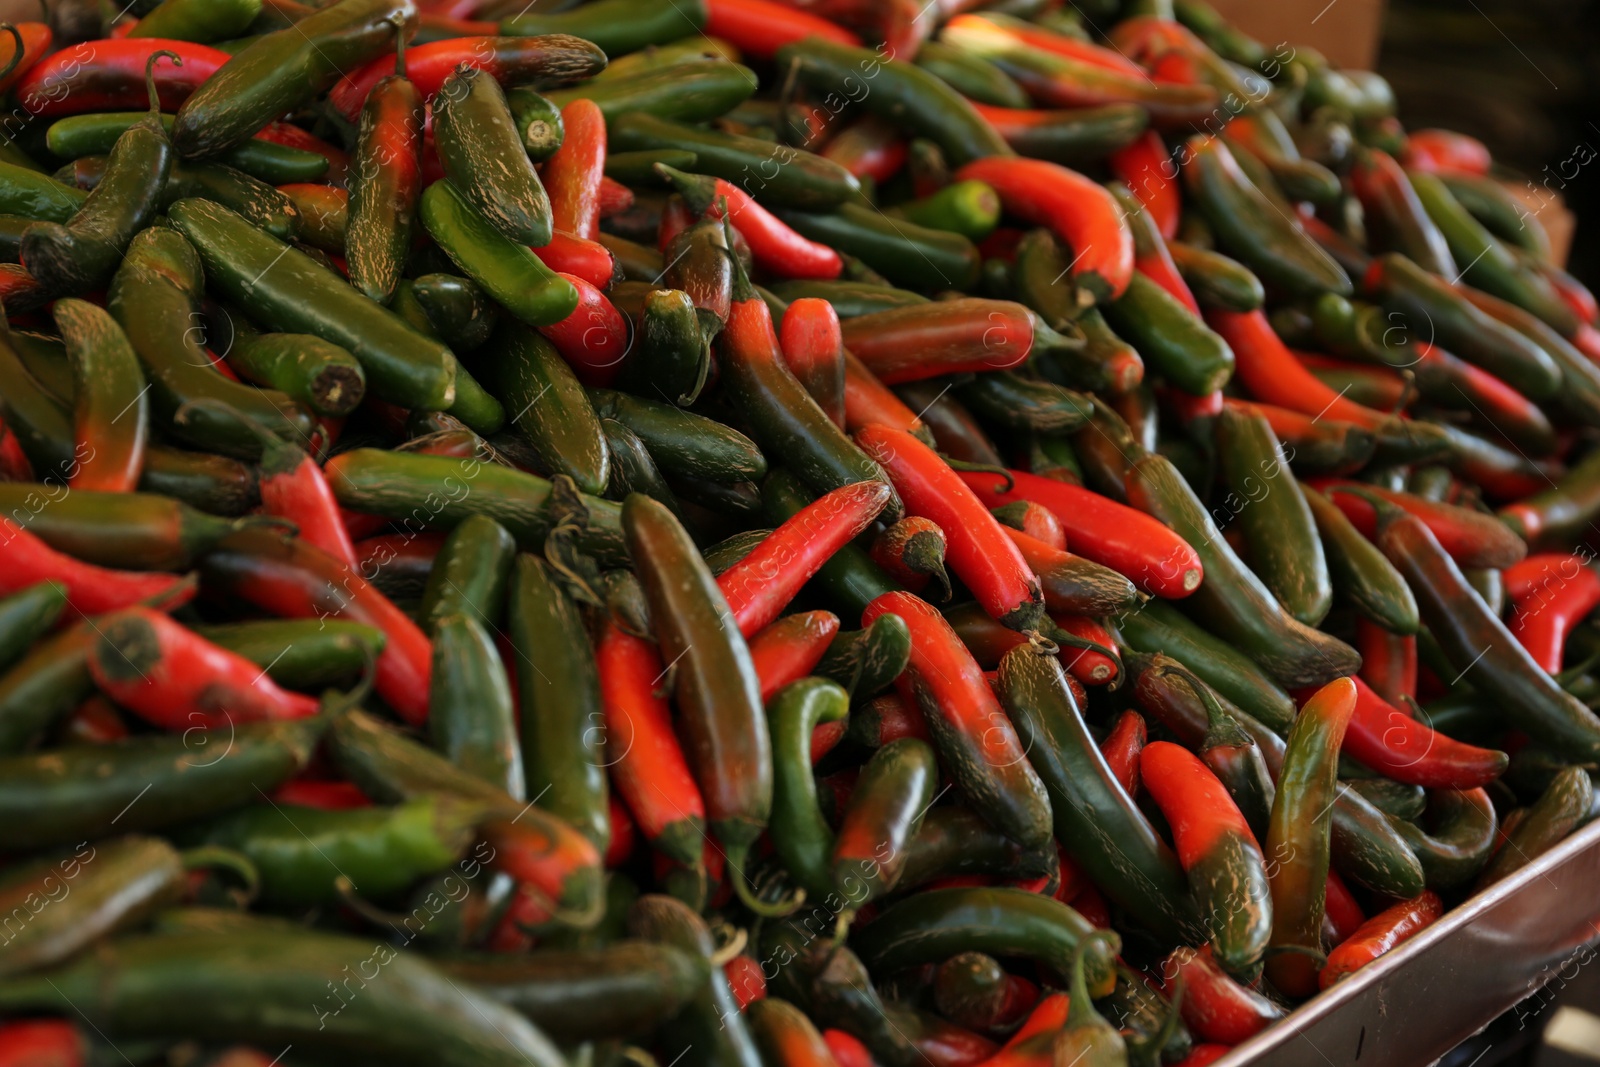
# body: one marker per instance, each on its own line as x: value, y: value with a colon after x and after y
x: 1130, y: 542
x: 1121, y: 749
x: 650, y: 773
x: 94, y: 722
x: 847, y: 1051
x: 91, y: 590
x: 912, y: 552
x: 14, y: 465
x: 760, y: 27
x: 594, y: 338
x: 1085, y: 664
x: 406, y: 553
x: 1341, y: 913
x: 1550, y: 593
x: 1186, y: 407
x: 570, y: 255
x: 977, y: 546
x: 1393, y: 743
x: 293, y: 579
x: 110, y: 76
x: 867, y: 401
x: 761, y: 585
x: 36, y: 40
x: 813, y: 349
x: 317, y: 793
x: 826, y: 737
x: 1380, y: 934
x: 1575, y: 295
x: 1146, y: 167
x: 1380, y: 387
x: 1091, y: 904
x: 1472, y: 538
x: 509, y: 60
x: 1266, y: 367
x: 786, y: 650
x: 1388, y: 661
x: 615, y: 198
x: 624, y: 833
x: 870, y: 147
x: 1080, y: 212
x: 888, y: 718
x: 1446, y: 152
x: 1062, y: 45
x: 776, y: 248
x: 1214, y: 1006
x: 542, y: 854
x: 42, y: 1043
x: 572, y: 175
x: 745, y: 979
x: 1034, y: 520
x: 944, y: 337
x: 1159, y: 268
x: 175, y: 679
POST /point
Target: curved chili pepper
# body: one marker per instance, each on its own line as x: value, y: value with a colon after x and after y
x: 548, y: 59
x: 290, y: 578
x: 1218, y: 851
x: 776, y: 248
x: 1215, y: 1007
x: 977, y: 547
x: 1343, y: 914
x: 572, y: 175
x: 1122, y: 747
x: 177, y: 680
x: 813, y: 349
x: 788, y: 649
x: 1080, y: 212
x: 1397, y: 219
x: 802, y: 838
x: 1472, y: 538
x: 1445, y: 151
x: 1389, y: 661
x: 1403, y: 748
x: 388, y: 180
x: 1130, y: 542
x: 884, y: 813
x: 30, y: 41
x: 91, y: 590
x: 110, y: 410
x: 976, y: 741
x: 761, y: 584
x: 1084, y: 659
x: 1145, y: 166
x: 1550, y: 593
x: 912, y: 552
x: 1563, y: 806
x: 593, y: 338
x: 110, y: 76
x: 1382, y: 933
x: 1298, y: 840
x: 867, y: 400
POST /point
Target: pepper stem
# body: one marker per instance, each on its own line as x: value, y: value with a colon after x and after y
x: 1385, y: 511
x: 398, y: 20
x: 227, y: 859
x: 1221, y: 728
x: 150, y: 78
x: 1069, y: 640
x: 747, y: 893
x: 16, y: 57
x: 980, y: 468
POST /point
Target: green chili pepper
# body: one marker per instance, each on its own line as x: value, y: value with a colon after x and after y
x: 670, y: 358
x: 1176, y: 343
x: 1025, y: 404
x: 266, y: 981
x: 257, y: 201
x: 321, y: 376
x: 687, y: 92
x: 30, y: 194
x: 506, y: 269
x: 867, y: 661
x: 388, y: 175
x: 885, y: 811
x: 710, y: 1023
x: 617, y: 26
x: 972, y: 76
x: 49, y: 681
x: 1095, y: 820
x: 198, y: 20
x: 458, y: 309
x: 558, y: 688
x: 968, y: 208
x: 288, y: 291
x: 850, y: 299
x: 1562, y: 807
x: 549, y: 406
x: 470, y: 573
x: 306, y: 654
x: 482, y: 153
x: 850, y: 578
x: 905, y: 252
x: 71, y: 794
x: 1361, y: 572
x: 1298, y: 842
x: 1217, y: 281
x: 80, y: 254
x: 25, y: 615
x: 800, y: 835
x: 1462, y: 838
x: 1086, y: 1037
x: 470, y: 714
x: 77, y: 136
x: 1499, y: 210
x: 69, y: 902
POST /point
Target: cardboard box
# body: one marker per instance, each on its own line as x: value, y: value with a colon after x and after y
x: 1346, y: 31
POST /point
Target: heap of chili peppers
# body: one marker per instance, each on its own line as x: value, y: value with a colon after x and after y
x: 750, y: 532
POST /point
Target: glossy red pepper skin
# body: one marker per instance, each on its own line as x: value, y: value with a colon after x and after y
x: 945, y: 337
x: 1550, y: 593
x: 1079, y: 211
x: 1086, y: 664
x: 110, y: 76
x: 551, y: 862
x: 1388, y: 661
x: 1271, y: 374
x: 1215, y: 1007
x: 296, y: 580
x: 1446, y: 152
x: 175, y: 679
x: 813, y: 348
x: 572, y: 175
x: 594, y: 338
x: 760, y: 27
x: 847, y: 1051
x: 761, y: 584
x: 1380, y: 934
x: 36, y: 40
x: 1129, y: 542
x: 570, y: 254
x: 786, y: 650
x: 321, y: 794
x: 1121, y: 749
x: 867, y: 400
x: 1147, y: 168
x: 293, y: 488
x: 1472, y: 538
x: 651, y: 772
x: 869, y: 148
x: 1342, y: 914
x: 977, y: 744
x: 42, y: 1043
x: 776, y: 248
x: 977, y: 548
x: 507, y: 59
x: 91, y: 590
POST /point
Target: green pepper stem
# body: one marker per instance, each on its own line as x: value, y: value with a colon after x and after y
x: 227, y: 859
x: 16, y: 57
x: 150, y: 78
